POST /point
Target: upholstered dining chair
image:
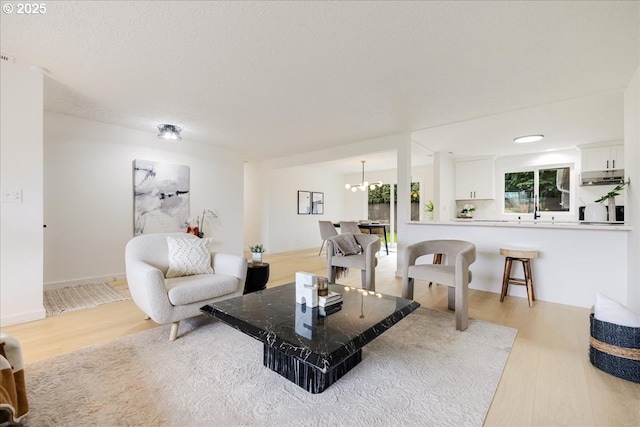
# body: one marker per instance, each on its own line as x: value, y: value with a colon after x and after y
x: 348, y: 250
x: 349, y: 227
x: 171, y: 276
x: 326, y: 230
x: 454, y: 272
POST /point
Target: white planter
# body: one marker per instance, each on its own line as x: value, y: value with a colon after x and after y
x: 256, y: 257
x: 612, y: 209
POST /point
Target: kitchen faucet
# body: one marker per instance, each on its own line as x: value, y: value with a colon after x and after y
x: 536, y: 214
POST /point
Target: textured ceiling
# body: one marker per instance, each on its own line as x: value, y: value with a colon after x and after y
x: 279, y: 78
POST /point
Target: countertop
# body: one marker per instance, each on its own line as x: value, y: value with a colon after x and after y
x: 528, y: 224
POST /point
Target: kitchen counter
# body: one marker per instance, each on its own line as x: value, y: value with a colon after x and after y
x: 529, y: 224
x: 574, y: 260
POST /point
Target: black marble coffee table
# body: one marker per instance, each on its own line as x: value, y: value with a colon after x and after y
x: 310, y: 346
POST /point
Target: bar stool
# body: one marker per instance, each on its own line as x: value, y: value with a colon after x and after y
x: 524, y: 256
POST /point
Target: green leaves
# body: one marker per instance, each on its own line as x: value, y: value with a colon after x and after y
x: 257, y: 248
x: 382, y: 194
x: 429, y: 207
x: 613, y: 193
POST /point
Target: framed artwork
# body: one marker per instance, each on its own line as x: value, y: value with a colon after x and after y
x: 317, y: 203
x: 161, y: 197
x: 304, y: 202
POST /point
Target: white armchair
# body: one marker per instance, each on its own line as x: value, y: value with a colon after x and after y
x: 170, y: 300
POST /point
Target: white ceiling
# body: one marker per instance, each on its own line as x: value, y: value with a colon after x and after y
x: 280, y: 78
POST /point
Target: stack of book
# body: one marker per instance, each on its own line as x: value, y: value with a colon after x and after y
x: 330, y: 303
x: 330, y: 299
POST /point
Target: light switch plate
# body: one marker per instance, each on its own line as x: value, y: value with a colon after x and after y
x: 12, y: 195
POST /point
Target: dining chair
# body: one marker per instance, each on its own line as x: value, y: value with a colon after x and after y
x: 349, y: 227
x: 326, y: 230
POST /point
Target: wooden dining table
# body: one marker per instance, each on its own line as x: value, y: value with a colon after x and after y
x: 370, y: 227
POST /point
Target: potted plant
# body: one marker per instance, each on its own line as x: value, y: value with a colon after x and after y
x: 201, y: 220
x: 256, y: 253
x: 467, y: 211
x: 611, y: 198
x: 429, y: 208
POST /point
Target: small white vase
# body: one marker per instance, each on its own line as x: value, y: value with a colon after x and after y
x: 611, y: 209
x: 256, y: 257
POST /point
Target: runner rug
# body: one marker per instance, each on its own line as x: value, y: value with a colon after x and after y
x: 79, y: 297
x: 421, y: 372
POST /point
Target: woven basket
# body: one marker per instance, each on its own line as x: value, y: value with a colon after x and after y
x: 615, y: 349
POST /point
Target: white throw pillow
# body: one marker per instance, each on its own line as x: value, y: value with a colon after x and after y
x: 188, y: 256
x: 610, y: 311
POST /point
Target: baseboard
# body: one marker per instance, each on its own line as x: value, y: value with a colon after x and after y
x: 85, y: 281
x: 23, y: 317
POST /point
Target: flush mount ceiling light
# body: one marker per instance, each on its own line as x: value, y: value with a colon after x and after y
x: 528, y: 138
x: 363, y: 184
x: 171, y: 132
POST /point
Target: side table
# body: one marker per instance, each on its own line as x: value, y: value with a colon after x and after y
x: 257, y: 277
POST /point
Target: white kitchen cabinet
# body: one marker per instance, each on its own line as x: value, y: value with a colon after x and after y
x: 475, y: 179
x: 603, y: 158
x: 617, y: 156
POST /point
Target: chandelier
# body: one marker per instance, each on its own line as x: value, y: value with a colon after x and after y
x: 363, y: 184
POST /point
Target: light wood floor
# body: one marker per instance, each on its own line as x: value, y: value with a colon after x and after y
x: 548, y: 379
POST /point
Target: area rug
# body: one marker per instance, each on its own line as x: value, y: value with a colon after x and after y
x: 420, y: 372
x: 79, y: 297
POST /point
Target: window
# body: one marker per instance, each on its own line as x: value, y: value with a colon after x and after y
x: 380, y: 202
x: 549, y: 187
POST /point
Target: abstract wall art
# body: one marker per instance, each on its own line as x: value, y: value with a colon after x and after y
x: 161, y: 197
x: 317, y: 203
x: 304, y: 202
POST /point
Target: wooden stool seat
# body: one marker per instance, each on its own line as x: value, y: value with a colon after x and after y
x: 524, y: 256
x: 519, y: 253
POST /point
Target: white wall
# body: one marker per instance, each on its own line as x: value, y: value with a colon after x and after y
x: 89, y: 194
x: 288, y: 231
x: 254, y: 200
x: 403, y: 167
x: 632, y: 171
x: 424, y: 175
x: 21, y: 223
x: 355, y: 202
x: 444, y: 187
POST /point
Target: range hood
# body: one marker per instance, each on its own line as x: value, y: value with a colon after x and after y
x: 609, y: 177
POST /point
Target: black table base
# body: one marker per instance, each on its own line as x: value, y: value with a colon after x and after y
x: 257, y: 277
x: 305, y: 375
